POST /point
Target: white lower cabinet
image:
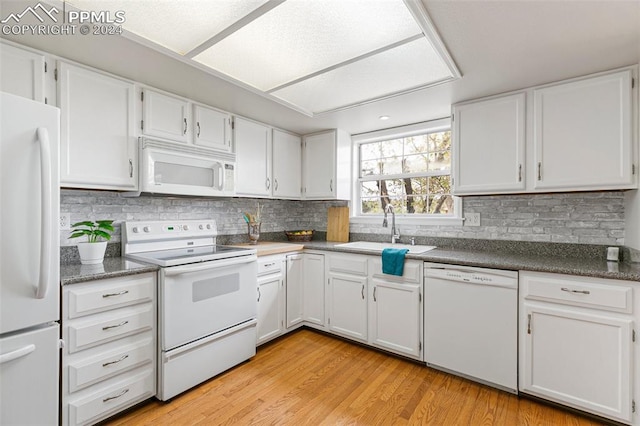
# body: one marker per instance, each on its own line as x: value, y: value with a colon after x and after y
x: 382, y: 310
x: 305, y: 290
x: 313, y: 289
x: 576, y: 342
x: 271, y: 293
x: 347, y: 294
x: 109, y: 360
x: 295, y: 280
x: 395, y: 309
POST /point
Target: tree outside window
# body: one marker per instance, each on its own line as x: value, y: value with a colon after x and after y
x: 412, y: 173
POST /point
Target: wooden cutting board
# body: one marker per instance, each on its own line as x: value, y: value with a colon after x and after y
x: 338, y: 224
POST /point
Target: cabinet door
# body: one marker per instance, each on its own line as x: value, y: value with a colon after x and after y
x: 97, y: 142
x: 295, y: 277
x: 212, y: 128
x: 394, y: 317
x: 253, y: 158
x: 492, y: 129
x: 313, y: 292
x: 319, y: 166
x: 270, y: 308
x: 348, y: 305
x: 577, y: 358
x: 287, y: 165
x: 166, y: 116
x: 583, y: 134
x: 21, y: 72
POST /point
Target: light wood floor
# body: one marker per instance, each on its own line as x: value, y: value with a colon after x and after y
x: 308, y: 378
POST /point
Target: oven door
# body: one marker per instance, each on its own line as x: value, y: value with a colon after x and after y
x: 201, y: 299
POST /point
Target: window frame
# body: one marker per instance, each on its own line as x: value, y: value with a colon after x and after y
x: 434, y: 126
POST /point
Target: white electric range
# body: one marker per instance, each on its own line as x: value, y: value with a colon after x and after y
x: 206, y: 299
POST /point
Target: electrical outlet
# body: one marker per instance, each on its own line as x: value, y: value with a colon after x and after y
x: 65, y: 221
x: 472, y: 219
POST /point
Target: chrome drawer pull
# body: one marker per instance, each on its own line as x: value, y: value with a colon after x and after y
x: 269, y: 265
x: 568, y: 290
x: 122, y: 358
x: 115, y: 397
x: 109, y: 327
x: 120, y: 293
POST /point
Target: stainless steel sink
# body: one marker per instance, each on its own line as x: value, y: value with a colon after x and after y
x: 377, y: 247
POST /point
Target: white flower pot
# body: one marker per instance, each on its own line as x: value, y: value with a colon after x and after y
x: 92, y: 253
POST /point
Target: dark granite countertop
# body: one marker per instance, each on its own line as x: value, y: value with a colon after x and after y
x: 587, y: 265
x: 584, y: 266
x: 111, y: 267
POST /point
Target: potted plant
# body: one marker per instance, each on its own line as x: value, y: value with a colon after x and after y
x: 98, y: 233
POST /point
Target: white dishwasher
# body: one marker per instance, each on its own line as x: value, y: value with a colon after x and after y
x: 471, y: 323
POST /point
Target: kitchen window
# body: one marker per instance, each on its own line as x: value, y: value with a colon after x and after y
x: 408, y: 168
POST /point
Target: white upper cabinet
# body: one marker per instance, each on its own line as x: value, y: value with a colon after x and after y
x: 97, y: 142
x: 165, y: 116
x: 583, y: 133
x: 253, y: 156
x: 489, y: 145
x: 212, y: 128
x: 327, y: 166
x: 22, y: 72
x: 287, y: 165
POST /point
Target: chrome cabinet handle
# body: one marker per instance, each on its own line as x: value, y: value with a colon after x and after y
x: 520, y: 173
x: 362, y: 292
x: 120, y: 293
x: 331, y: 185
x: 374, y: 294
x: 198, y: 124
x: 539, y: 171
x: 185, y: 127
x: 122, y: 358
x: 275, y: 184
x: 116, y: 396
x: 568, y: 290
x: 259, y: 294
x: 130, y: 168
x: 268, y: 183
x: 109, y: 327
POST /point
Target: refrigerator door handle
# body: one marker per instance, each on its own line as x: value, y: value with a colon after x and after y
x: 18, y: 353
x: 46, y: 212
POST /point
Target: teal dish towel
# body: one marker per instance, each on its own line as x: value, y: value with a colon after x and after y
x: 393, y: 261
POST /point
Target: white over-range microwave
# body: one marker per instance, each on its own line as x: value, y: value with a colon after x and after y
x: 172, y: 168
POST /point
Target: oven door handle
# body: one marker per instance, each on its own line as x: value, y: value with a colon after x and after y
x: 204, y: 266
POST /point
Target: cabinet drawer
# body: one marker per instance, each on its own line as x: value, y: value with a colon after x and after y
x: 412, y: 271
x: 124, y: 322
x: 89, y: 371
x: 579, y: 291
x: 356, y: 265
x: 112, y: 399
x: 103, y: 295
x: 270, y: 265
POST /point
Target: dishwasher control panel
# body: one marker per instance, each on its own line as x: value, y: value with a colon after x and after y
x: 472, y: 275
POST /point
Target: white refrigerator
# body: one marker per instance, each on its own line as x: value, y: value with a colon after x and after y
x: 29, y: 262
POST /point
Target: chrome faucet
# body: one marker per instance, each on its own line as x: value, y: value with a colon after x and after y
x: 394, y: 236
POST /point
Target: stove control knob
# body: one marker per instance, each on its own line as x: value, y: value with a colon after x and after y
x: 201, y: 227
x: 135, y: 229
x: 208, y: 226
x: 146, y: 229
x: 185, y: 227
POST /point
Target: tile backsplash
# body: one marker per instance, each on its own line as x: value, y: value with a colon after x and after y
x: 277, y: 215
x: 581, y: 217
x: 577, y: 217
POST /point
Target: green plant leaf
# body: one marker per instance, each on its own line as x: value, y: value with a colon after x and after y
x: 85, y: 223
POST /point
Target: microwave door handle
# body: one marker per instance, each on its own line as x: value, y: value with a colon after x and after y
x: 221, y: 177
